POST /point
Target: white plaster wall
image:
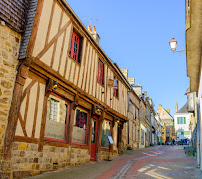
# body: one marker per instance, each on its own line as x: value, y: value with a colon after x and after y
x: 200, y: 105
x: 182, y: 126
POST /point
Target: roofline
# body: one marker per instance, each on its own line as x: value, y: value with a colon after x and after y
x: 93, y: 40
x: 169, y: 113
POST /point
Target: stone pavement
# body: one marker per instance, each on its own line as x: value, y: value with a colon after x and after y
x: 160, y: 162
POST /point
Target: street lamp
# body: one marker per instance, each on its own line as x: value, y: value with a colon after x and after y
x: 173, y: 46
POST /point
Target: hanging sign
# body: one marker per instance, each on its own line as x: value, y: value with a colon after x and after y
x: 110, y: 139
x: 110, y: 82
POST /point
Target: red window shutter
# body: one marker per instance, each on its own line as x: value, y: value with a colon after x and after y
x: 114, y: 92
x: 100, y: 72
x: 74, y: 49
x: 101, y: 75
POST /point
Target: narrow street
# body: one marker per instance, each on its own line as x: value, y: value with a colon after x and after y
x: 162, y: 162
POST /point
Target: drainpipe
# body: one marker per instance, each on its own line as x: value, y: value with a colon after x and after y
x: 198, y: 136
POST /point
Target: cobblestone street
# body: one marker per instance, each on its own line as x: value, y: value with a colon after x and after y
x: 162, y: 162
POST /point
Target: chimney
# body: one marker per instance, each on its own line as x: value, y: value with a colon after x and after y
x: 176, y: 108
x: 95, y: 34
x: 125, y: 72
x: 89, y: 29
x: 131, y: 81
x: 138, y: 89
x: 160, y: 106
x: 168, y: 110
x: 145, y: 94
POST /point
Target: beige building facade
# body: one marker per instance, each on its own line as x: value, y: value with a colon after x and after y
x: 169, y: 122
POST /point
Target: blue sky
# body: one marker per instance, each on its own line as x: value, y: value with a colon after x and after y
x: 136, y: 34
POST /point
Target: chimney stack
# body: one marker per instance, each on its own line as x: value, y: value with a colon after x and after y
x: 131, y: 81
x: 94, y: 34
x: 160, y: 106
x: 168, y: 110
x: 176, y: 107
x: 125, y: 72
x: 89, y: 29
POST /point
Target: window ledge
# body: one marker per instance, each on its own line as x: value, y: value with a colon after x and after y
x: 75, y: 61
x: 101, y: 84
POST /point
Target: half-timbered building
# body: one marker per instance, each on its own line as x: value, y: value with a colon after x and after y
x: 63, y: 107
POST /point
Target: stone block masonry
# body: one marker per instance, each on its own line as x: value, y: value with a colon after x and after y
x: 9, y: 48
x: 27, y: 161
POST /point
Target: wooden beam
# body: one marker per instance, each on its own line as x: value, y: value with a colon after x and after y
x: 36, y: 110
x: 14, y: 110
x: 26, y: 139
x: 35, y: 27
x: 55, y: 43
x: 43, y: 123
x: 22, y: 125
x: 50, y: 22
x: 61, y: 53
x: 53, y: 40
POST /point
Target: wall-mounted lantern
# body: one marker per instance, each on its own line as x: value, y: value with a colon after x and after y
x: 173, y: 46
x: 54, y: 85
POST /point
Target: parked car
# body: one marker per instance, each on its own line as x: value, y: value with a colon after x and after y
x: 182, y: 142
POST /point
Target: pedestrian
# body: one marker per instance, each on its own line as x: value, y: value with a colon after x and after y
x: 173, y: 141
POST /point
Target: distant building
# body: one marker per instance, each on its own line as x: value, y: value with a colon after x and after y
x: 169, y: 122
x: 182, y: 122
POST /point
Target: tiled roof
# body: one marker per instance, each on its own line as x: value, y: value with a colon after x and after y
x: 13, y: 12
x: 183, y: 109
x: 28, y: 28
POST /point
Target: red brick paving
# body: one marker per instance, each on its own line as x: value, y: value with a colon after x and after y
x: 133, y: 171
x: 120, y: 163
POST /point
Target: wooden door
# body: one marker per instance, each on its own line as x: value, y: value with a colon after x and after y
x: 94, y: 138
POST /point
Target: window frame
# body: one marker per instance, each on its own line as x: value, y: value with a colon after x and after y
x: 98, y: 78
x: 67, y: 122
x: 87, y: 129
x: 116, y: 90
x: 79, y: 50
x: 181, y: 120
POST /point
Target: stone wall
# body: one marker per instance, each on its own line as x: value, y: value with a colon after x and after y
x: 79, y: 156
x: 104, y: 154
x: 9, y: 47
x: 27, y: 161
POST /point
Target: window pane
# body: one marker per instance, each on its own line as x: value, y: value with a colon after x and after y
x: 80, y: 126
x: 106, y: 127
x: 56, y: 118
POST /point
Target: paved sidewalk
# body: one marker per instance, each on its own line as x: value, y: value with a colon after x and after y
x: 161, y: 162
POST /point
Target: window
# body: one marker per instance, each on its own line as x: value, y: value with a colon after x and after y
x: 135, y: 133
x: 142, y: 137
x: 106, y: 131
x: 80, y: 126
x: 75, y: 47
x: 56, y: 119
x: 115, y: 92
x: 181, y: 120
x: 100, y: 72
x: 134, y: 111
x: 54, y: 110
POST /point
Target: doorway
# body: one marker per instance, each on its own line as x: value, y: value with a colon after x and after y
x: 94, y: 138
x: 119, y: 133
